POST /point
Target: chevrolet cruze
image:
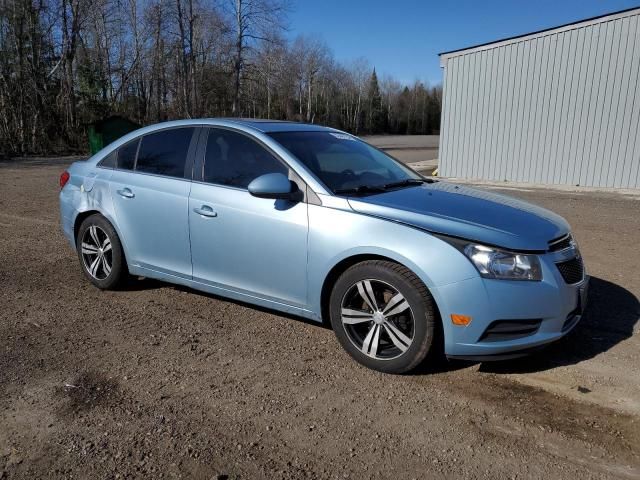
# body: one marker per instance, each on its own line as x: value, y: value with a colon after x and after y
x: 313, y: 221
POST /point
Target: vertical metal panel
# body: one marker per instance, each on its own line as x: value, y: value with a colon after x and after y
x: 572, y: 93
x: 580, y: 96
x: 483, y: 94
x: 455, y: 114
x: 537, y: 66
x: 444, y: 119
x: 490, y: 89
x: 595, y: 110
x: 625, y: 55
x: 629, y: 175
x: 541, y: 110
x: 525, y: 107
x: 611, y: 101
x: 562, y: 107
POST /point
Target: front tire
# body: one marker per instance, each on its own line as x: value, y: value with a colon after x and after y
x: 100, y: 253
x: 383, y: 316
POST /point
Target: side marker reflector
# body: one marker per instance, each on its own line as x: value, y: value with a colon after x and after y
x: 461, y: 320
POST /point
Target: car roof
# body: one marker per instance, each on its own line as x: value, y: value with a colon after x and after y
x: 269, y: 126
x: 247, y: 124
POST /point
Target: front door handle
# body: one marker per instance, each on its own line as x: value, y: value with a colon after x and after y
x: 126, y: 193
x: 205, y: 211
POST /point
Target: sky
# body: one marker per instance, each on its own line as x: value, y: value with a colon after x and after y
x: 403, y: 37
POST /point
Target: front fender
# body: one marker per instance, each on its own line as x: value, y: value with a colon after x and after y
x: 335, y: 235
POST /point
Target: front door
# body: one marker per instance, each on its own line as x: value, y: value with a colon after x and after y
x: 250, y: 245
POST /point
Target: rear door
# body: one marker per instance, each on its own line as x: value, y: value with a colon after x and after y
x: 251, y: 245
x: 150, y: 190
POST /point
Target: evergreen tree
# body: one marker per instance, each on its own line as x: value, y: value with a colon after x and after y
x: 375, y: 114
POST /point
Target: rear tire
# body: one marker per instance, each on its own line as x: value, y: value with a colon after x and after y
x: 100, y: 253
x: 384, y: 316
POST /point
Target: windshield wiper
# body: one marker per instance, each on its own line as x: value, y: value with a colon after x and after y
x: 362, y: 189
x: 404, y: 183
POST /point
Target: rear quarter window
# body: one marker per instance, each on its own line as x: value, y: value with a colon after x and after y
x: 109, y: 161
x: 127, y: 155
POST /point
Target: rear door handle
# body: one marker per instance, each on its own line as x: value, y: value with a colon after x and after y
x: 126, y: 193
x: 205, y: 211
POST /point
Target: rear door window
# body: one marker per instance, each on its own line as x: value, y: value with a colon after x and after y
x: 165, y: 152
x: 235, y: 160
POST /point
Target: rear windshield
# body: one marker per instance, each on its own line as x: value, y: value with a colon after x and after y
x: 343, y: 162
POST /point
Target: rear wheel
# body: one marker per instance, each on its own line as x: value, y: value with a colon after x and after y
x: 383, y: 315
x: 100, y: 253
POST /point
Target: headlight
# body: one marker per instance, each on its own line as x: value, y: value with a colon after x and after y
x: 493, y: 262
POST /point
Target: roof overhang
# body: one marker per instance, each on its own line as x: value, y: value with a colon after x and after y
x: 444, y: 56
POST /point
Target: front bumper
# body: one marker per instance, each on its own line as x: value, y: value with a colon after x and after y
x: 551, y: 305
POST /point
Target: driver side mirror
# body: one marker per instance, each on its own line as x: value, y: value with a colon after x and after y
x: 274, y: 185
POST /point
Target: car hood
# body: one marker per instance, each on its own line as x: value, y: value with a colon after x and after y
x: 469, y: 213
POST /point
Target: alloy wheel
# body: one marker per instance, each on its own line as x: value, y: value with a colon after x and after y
x: 377, y: 319
x: 97, y: 254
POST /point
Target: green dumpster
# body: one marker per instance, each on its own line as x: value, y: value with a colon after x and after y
x: 107, y: 130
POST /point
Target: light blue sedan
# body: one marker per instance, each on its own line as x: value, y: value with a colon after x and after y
x: 312, y: 221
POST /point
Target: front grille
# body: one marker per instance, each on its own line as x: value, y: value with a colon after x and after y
x: 572, y: 270
x: 502, y: 330
x: 560, y: 243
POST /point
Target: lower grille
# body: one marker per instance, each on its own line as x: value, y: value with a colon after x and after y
x: 572, y: 271
x: 502, y: 330
x: 572, y: 319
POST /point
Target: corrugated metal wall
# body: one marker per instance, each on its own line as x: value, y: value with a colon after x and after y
x: 560, y: 108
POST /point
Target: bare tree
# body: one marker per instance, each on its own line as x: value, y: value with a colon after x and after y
x: 311, y: 56
x: 270, y: 65
x: 73, y: 12
x: 66, y: 63
x: 253, y: 22
x: 360, y: 70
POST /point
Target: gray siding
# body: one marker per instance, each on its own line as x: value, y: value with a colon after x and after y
x: 561, y: 107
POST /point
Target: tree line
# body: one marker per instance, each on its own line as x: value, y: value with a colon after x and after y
x: 67, y: 63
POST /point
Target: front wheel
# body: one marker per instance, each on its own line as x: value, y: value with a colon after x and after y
x: 383, y: 315
x: 100, y: 253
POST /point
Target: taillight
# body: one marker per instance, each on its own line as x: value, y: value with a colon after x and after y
x: 64, y: 178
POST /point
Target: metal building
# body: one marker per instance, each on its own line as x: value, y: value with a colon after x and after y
x: 559, y: 106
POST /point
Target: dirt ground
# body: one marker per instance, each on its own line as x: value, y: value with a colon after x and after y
x: 165, y: 382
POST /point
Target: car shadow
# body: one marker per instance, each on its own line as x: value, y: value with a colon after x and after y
x: 610, y: 316
x: 252, y: 306
x: 140, y: 284
x: 136, y: 284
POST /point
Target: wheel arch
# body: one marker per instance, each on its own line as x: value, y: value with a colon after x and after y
x: 345, y: 263
x: 81, y: 216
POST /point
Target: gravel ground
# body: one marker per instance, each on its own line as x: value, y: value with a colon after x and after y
x: 165, y: 382
x: 407, y: 148
x: 404, y: 142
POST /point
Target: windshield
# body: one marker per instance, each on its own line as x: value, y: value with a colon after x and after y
x: 345, y: 164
